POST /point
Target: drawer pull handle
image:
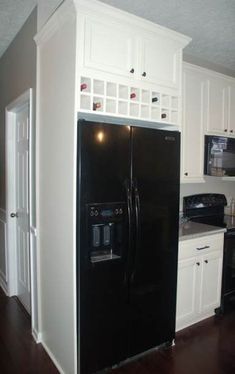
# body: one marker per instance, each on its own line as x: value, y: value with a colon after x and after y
x: 198, y: 263
x: 206, y: 261
x: 200, y: 248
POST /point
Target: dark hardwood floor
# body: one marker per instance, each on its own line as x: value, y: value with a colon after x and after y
x: 19, y: 354
x: 205, y: 348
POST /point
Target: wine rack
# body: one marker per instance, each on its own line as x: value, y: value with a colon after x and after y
x: 121, y: 100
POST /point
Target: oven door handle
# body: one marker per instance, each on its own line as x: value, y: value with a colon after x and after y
x: 201, y: 248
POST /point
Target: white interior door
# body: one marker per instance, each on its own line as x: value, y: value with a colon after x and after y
x: 22, y: 205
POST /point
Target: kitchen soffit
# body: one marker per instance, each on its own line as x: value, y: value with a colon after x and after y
x: 210, y: 24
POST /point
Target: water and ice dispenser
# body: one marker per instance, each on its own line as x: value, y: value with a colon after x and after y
x: 105, y: 225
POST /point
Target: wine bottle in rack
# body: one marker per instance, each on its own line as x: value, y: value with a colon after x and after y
x: 83, y: 86
x: 155, y: 99
x: 132, y: 95
x: 96, y: 105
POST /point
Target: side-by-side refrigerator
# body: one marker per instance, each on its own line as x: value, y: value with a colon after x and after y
x: 127, y: 241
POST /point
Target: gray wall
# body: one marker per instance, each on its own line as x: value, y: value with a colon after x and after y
x: 208, y: 65
x: 17, y: 74
x: 212, y: 184
x: 45, y: 9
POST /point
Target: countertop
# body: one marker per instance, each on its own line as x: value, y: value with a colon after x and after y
x: 191, y: 230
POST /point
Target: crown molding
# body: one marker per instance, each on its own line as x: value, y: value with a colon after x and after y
x: 104, y: 10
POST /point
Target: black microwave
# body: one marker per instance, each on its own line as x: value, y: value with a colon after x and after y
x: 219, y: 157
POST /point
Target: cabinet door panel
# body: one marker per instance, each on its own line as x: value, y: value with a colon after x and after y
x: 186, y: 312
x: 211, y: 281
x: 160, y: 61
x: 231, y: 118
x: 218, y: 106
x: 108, y: 47
x: 194, y: 118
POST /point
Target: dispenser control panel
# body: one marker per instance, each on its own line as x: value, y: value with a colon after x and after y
x: 105, y: 228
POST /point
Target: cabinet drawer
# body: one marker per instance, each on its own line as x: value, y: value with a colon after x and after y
x: 201, y: 246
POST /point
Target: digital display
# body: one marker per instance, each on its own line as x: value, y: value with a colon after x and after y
x: 106, y: 213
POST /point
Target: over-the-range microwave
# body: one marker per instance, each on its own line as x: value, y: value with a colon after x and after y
x: 219, y: 155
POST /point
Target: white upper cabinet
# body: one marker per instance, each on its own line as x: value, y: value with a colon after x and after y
x: 221, y: 104
x: 218, y: 105
x: 193, y: 123
x: 231, y: 115
x: 136, y: 64
x: 160, y: 60
x: 114, y: 47
x: 109, y: 47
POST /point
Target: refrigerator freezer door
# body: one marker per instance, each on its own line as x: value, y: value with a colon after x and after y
x: 103, y: 167
x: 153, y: 274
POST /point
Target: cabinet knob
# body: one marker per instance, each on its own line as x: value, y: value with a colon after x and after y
x: 231, y: 130
x: 186, y: 174
x: 132, y: 71
x: 13, y: 215
x: 225, y: 130
x: 144, y: 74
x: 198, y: 263
x: 206, y: 261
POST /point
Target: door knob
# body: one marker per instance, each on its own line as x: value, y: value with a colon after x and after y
x: 13, y: 215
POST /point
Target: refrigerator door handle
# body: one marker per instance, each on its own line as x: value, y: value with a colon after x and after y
x: 137, y: 210
x: 127, y: 184
x: 137, y: 224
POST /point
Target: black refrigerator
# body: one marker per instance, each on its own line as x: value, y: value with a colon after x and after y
x: 127, y: 241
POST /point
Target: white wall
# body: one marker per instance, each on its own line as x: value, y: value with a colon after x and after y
x: 56, y: 177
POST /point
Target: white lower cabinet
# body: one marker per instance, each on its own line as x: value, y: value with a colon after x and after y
x: 199, y: 279
x: 211, y: 266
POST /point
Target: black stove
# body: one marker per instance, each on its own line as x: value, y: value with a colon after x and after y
x: 209, y: 209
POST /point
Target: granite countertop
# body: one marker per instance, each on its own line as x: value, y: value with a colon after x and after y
x: 190, y: 230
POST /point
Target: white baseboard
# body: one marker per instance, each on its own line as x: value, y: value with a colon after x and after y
x: 37, y: 336
x: 52, y: 357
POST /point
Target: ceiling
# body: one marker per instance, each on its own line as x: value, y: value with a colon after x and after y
x: 13, y: 14
x: 210, y: 23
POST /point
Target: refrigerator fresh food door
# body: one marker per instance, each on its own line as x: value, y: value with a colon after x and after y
x: 153, y: 273
x: 103, y: 178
